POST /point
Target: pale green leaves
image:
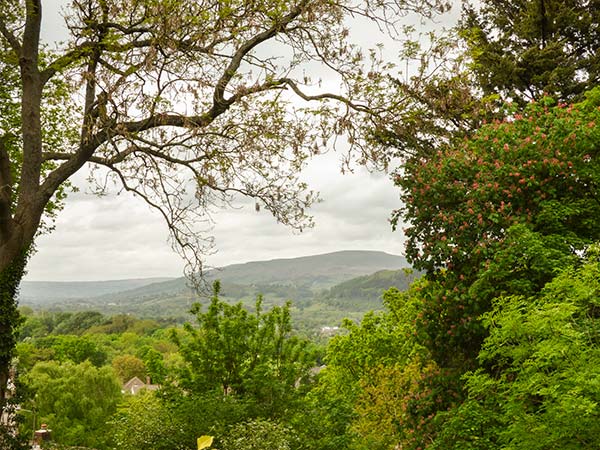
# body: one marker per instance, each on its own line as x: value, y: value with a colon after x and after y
x: 542, y: 357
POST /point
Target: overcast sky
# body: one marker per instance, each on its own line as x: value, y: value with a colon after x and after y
x: 117, y: 237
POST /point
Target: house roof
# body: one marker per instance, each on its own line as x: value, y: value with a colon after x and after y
x: 135, y: 385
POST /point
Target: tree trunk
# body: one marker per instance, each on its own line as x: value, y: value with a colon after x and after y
x: 10, y: 278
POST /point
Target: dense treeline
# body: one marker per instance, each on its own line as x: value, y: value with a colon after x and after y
x: 242, y: 377
x: 313, y: 306
x: 244, y: 367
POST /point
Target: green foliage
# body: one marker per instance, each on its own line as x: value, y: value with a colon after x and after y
x: 9, y: 317
x: 143, y: 421
x: 10, y: 320
x: 79, y: 322
x: 258, y: 434
x: 172, y: 420
x: 186, y: 405
x: 75, y: 400
x: 322, y: 419
x: 154, y: 364
x: 380, y: 338
x: 128, y: 366
x: 239, y: 372
x: 524, y: 263
x: 397, y: 403
x: 28, y: 354
x: 40, y: 324
x: 245, y: 354
x: 122, y: 323
x: 499, y: 213
x: 237, y: 366
x: 526, y: 49
x: 365, y: 292
x: 472, y: 425
x: 76, y: 349
x: 378, y: 388
x: 44, y: 323
x: 539, y: 386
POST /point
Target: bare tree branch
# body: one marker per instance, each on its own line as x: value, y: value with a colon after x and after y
x: 157, y: 91
x: 247, y: 47
x: 90, y: 143
x: 325, y: 96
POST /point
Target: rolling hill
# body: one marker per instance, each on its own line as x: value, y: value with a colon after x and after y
x: 323, y: 288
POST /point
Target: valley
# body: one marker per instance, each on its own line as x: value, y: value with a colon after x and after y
x: 323, y: 289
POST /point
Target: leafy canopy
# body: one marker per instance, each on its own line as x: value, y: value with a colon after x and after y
x: 539, y: 385
x: 523, y: 50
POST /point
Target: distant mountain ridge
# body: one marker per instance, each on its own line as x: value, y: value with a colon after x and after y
x: 80, y: 289
x: 319, y: 271
x: 307, y: 280
x: 331, y: 267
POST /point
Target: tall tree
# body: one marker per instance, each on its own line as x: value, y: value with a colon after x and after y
x: 182, y: 103
x: 499, y: 52
x: 363, y: 398
x: 250, y: 356
x: 526, y: 48
x: 75, y: 400
x: 540, y: 385
x: 497, y: 214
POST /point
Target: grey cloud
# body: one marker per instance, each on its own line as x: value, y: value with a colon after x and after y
x: 119, y: 237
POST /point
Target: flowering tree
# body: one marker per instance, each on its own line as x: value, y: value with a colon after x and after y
x: 494, y: 214
x: 498, y: 213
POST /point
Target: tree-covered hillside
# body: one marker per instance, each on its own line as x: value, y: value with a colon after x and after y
x: 310, y: 282
x: 366, y: 291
